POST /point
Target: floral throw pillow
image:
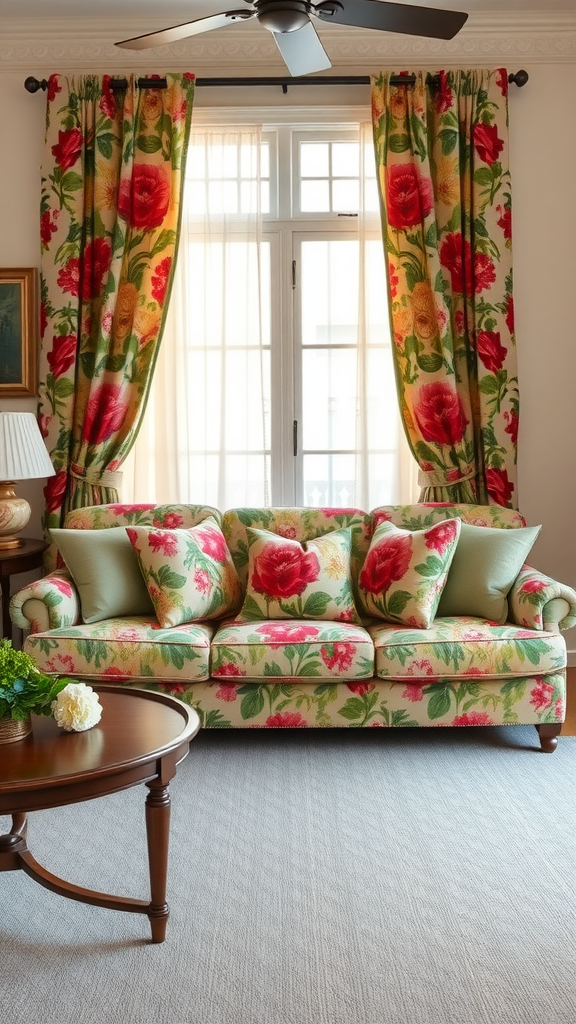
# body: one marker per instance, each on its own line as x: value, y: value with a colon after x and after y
x: 405, y: 571
x: 310, y: 580
x: 189, y: 573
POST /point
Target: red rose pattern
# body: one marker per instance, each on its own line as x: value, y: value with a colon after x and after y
x: 213, y: 543
x: 490, y: 349
x: 385, y: 563
x: 541, y: 695
x: 160, y: 279
x: 164, y: 541
x: 286, y: 633
x: 440, y: 536
x: 68, y: 148
x: 338, y: 655
x: 55, y: 490
x: 104, y: 414
x: 361, y: 688
x: 439, y: 414
x: 511, y: 427
x: 144, y: 200
x: 409, y: 197
x: 486, y: 142
x: 443, y: 97
x: 467, y: 275
x: 472, y: 718
x: 91, y: 270
x: 282, y: 571
x: 533, y: 586
x: 500, y: 488
x: 505, y: 221
x: 62, y: 355
x: 286, y: 720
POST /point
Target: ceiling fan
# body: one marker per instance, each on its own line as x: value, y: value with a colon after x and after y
x: 291, y: 24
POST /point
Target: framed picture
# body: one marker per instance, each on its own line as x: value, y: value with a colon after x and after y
x: 18, y: 333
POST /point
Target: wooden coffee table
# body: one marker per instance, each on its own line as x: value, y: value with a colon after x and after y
x: 141, y: 737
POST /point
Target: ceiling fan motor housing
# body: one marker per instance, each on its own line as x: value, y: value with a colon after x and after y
x: 283, y: 15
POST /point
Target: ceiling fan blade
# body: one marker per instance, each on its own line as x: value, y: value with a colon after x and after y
x: 302, y: 51
x: 189, y: 28
x: 430, y: 22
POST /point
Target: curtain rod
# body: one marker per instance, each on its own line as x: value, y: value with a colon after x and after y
x: 32, y: 84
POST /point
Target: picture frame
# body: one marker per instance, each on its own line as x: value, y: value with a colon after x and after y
x: 18, y: 332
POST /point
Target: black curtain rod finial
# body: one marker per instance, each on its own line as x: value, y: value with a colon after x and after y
x: 519, y: 78
x: 33, y: 85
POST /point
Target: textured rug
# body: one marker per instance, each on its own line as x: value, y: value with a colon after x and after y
x: 316, y: 877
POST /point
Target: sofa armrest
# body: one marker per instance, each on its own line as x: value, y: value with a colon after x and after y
x: 47, y: 603
x: 539, y: 602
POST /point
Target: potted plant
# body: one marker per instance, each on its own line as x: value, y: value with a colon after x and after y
x: 24, y: 691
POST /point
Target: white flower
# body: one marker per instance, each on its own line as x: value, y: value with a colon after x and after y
x: 77, y: 708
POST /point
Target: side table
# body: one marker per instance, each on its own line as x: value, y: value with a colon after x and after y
x: 141, y: 738
x: 24, y: 558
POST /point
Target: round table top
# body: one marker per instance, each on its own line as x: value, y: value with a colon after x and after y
x: 137, y: 729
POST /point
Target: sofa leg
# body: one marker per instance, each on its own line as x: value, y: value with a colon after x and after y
x: 548, y: 737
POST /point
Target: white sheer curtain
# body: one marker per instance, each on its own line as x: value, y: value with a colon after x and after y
x: 386, y: 470
x: 205, y: 434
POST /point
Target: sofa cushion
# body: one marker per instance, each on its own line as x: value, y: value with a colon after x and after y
x: 486, y: 563
x: 292, y: 650
x: 405, y: 571
x: 189, y: 574
x: 105, y: 570
x: 464, y: 647
x: 295, y: 523
x: 289, y: 579
x: 129, y: 648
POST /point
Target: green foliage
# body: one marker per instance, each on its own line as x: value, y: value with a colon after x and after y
x: 24, y: 690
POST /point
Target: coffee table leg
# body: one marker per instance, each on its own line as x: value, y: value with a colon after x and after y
x: 158, y: 834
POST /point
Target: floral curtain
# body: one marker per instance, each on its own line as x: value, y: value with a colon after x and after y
x: 442, y: 156
x: 112, y: 179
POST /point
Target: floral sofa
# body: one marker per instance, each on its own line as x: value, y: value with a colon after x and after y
x: 260, y: 647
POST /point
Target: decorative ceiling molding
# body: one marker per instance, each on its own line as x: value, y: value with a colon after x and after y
x: 88, y: 45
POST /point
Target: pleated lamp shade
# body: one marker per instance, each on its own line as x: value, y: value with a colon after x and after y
x: 23, y: 456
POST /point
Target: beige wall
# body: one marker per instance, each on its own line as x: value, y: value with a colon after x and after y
x: 543, y: 162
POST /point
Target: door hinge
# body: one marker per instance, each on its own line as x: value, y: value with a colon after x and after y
x: 295, y: 436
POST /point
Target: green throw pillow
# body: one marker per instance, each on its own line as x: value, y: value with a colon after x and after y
x: 486, y: 563
x: 105, y: 569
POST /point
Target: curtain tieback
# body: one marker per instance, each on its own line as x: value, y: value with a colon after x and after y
x: 96, y: 477
x: 445, y: 477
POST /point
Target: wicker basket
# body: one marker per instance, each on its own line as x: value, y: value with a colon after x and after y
x: 12, y: 730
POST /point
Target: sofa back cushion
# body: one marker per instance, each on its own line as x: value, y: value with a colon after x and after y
x: 423, y: 514
x: 169, y: 517
x: 296, y: 523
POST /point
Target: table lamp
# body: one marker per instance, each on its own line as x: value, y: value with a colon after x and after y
x: 23, y: 456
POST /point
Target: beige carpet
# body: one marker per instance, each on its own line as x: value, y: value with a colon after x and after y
x: 317, y: 877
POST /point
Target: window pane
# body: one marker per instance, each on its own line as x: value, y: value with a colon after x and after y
x: 314, y: 159
x: 329, y: 480
x: 329, y: 398
x: 315, y: 196
x: 345, y: 159
x: 329, y: 292
x: 346, y: 195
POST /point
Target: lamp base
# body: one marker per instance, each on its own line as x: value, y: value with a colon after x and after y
x: 14, y: 516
